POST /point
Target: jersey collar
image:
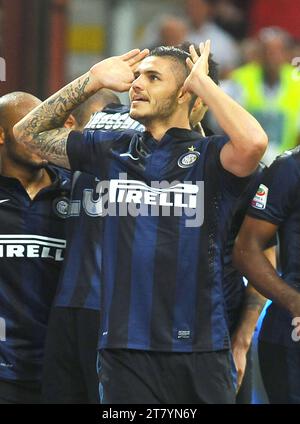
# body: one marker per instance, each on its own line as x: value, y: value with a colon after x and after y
x: 172, y: 136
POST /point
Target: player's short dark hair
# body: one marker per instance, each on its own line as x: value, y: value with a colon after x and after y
x: 179, y: 54
x: 175, y: 53
x: 213, y: 66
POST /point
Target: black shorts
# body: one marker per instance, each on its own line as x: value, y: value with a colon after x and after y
x: 70, y: 374
x: 143, y: 377
x: 20, y: 392
x: 280, y: 371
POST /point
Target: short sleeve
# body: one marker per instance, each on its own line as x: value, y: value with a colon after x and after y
x: 233, y: 184
x: 87, y: 151
x: 278, y: 191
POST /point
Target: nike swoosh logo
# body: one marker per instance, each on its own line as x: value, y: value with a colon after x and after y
x: 4, y: 200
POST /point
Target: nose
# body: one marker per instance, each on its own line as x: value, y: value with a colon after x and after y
x: 137, y: 84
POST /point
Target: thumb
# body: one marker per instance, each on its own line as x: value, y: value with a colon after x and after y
x: 125, y: 87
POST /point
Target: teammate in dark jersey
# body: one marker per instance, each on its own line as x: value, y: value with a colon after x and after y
x: 276, y: 207
x: 242, y: 305
x: 33, y: 208
x: 164, y: 335
x: 70, y: 374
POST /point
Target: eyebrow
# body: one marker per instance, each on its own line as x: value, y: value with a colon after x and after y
x: 149, y: 71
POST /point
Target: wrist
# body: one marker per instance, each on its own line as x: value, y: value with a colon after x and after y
x: 203, y: 83
x: 242, y: 340
x: 95, y: 83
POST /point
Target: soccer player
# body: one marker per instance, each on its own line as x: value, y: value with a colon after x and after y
x: 243, y: 305
x: 164, y: 337
x: 276, y: 207
x: 70, y: 374
x: 33, y: 208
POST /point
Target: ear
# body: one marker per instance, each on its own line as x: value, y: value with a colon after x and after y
x: 198, y: 111
x: 184, y: 97
x: 2, y: 136
x: 70, y: 122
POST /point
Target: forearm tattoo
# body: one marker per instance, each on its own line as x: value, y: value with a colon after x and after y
x: 42, y: 128
x: 52, y: 145
x: 254, y: 302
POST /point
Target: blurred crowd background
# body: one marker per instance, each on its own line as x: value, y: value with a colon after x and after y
x: 46, y: 43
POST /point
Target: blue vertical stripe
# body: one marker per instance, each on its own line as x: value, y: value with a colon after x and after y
x: 218, y: 321
x: 142, y: 269
x: 109, y: 258
x: 109, y: 264
x: 72, y: 264
x: 95, y: 283
x: 186, y: 289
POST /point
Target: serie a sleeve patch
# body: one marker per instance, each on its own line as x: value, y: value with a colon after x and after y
x: 260, y: 199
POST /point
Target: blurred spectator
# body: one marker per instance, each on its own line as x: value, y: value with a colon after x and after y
x: 271, y: 92
x: 231, y: 18
x: 282, y: 13
x: 224, y: 48
x: 172, y: 31
x: 250, y: 50
x: 167, y: 30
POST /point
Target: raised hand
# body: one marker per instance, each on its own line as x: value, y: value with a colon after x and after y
x: 198, y: 67
x: 117, y: 72
x: 42, y: 129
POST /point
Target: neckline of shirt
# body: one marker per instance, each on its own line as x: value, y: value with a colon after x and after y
x: 172, y: 135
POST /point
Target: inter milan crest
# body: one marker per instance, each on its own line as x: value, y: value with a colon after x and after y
x: 61, y: 207
x: 188, y: 159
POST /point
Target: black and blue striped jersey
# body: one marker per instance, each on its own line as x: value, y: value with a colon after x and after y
x: 79, y: 285
x: 32, y: 245
x: 278, y: 201
x: 168, y: 208
x: 234, y: 285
